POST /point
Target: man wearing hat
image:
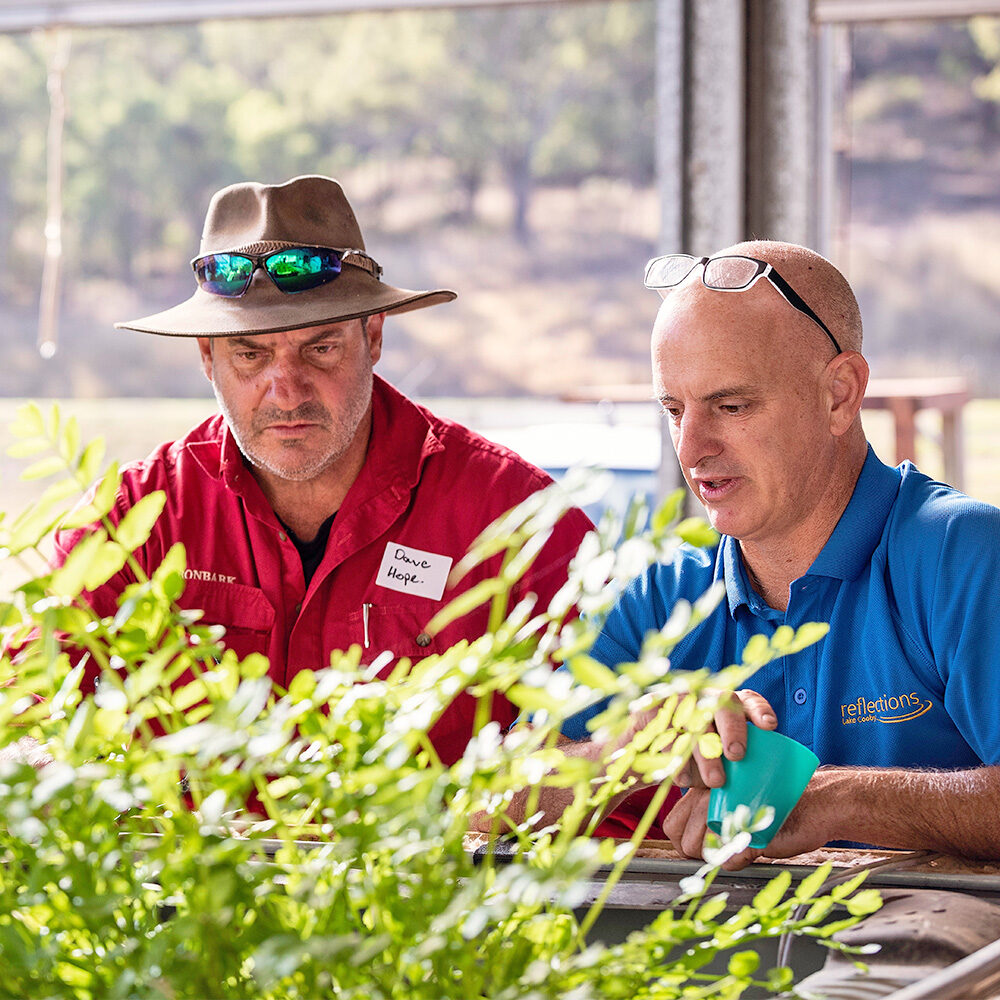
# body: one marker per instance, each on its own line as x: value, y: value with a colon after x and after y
x: 322, y: 508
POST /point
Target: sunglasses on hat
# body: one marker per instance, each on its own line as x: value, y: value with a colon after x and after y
x: 292, y: 269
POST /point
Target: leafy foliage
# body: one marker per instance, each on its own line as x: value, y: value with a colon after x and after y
x: 133, y: 866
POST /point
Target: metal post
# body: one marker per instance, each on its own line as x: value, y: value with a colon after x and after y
x: 779, y: 120
x: 700, y: 148
x: 715, y: 125
x: 671, y: 80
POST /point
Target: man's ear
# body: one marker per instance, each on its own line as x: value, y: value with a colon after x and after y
x: 205, y: 347
x: 848, y: 379
x: 374, y: 326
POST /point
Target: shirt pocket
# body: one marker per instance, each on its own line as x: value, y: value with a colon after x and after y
x: 396, y: 628
x: 244, y: 612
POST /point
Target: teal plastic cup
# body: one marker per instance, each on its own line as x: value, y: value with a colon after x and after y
x: 774, y: 772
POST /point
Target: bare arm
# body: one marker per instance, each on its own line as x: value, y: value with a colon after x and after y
x: 730, y: 723
x: 954, y: 812
x: 552, y: 802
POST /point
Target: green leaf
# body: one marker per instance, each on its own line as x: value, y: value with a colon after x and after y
x: 302, y: 685
x: 29, y: 422
x: 646, y: 764
x: 744, y: 963
x: 190, y: 694
x: 173, y: 586
x: 99, y: 505
x: 593, y: 674
x: 54, y: 420
x: 712, y: 908
x: 710, y: 745
x: 109, y: 723
x: 69, y: 579
x: 28, y: 447
x: 818, y: 910
x: 695, y: 531
x: 280, y: 787
x: 136, y: 525
x: 684, y: 711
x: 107, y: 489
x: 168, y: 578
x: 828, y: 930
x: 844, y: 890
x: 108, y: 561
x: 90, y: 460
x: 772, y: 893
x: 811, y: 884
x: 60, y: 491
x: 44, y: 468
x: 533, y: 699
x: 69, y: 441
x: 667, y: 512
x: 865, y: 902
x: 31, y: 527
x: 782, y: 638
x: 757, y: 651
x: 570, y: 771
x: 140, y: 682
x: 806, y: 635
x: 635, y: 516
x: 473, y: 598
x: 780, y: 978
x: 255, y: 665
x: 10, y: 614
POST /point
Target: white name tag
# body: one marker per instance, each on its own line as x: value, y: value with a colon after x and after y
x: 413, y: 571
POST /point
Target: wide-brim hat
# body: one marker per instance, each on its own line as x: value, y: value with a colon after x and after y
x: 258, y: 218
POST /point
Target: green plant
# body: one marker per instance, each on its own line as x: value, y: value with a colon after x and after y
x: 129, y: 868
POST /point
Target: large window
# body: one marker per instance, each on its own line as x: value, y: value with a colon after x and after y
x: 918, y: 227
x: 504, y: 152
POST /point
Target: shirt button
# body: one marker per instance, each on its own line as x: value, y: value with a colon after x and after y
x: 423, y: 639
x: 282, y: 536
x: 799, y: 696
x: 298, y: 607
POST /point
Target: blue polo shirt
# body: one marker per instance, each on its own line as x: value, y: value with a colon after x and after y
x: 909, y: 673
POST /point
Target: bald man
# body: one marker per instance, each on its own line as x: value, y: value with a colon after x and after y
x: 757, y: 365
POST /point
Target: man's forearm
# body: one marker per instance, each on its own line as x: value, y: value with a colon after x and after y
x: 550, y: 803
x: 955, y: 812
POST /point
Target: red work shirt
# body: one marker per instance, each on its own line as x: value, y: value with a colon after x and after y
x: 427, y: 484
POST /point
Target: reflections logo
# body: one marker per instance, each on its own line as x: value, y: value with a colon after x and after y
x: 885, y: 708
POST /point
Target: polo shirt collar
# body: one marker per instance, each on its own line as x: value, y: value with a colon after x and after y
x: 858, y: 532
x: 849, y: 548
x: 738, y: 589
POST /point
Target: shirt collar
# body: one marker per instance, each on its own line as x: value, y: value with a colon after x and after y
x: 849, y: 548
x: 737, y: 586
x: 857, y: 534
x: 738, y: 589
x: 403, y: 437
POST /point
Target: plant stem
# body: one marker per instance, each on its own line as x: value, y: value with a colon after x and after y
x: 638, y: 835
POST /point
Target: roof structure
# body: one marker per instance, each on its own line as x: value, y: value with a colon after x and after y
x: 25, y: 15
